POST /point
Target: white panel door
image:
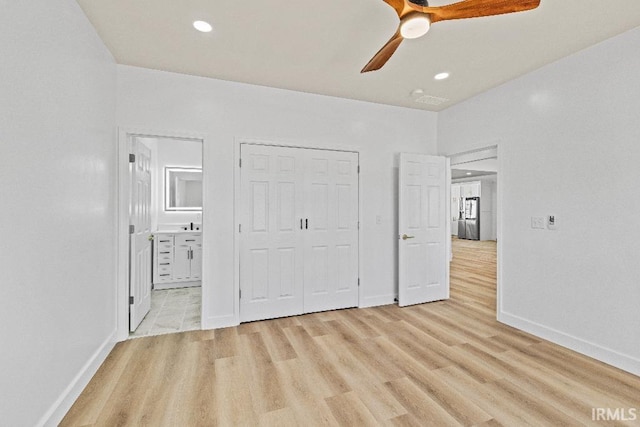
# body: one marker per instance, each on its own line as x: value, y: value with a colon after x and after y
x: 422, y: 224
x: 271, y: 239
x: 331, y: 230
x: 140, y: 241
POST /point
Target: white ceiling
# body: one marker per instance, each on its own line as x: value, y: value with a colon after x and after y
x: 463, y: 173
x: 475, y: 168
x: 321, y: 46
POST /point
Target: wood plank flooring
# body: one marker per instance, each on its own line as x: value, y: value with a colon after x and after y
x: 444, y: 364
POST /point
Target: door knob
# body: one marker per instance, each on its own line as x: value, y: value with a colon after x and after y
x: 405, y: 237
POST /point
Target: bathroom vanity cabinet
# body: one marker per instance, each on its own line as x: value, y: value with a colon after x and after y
x: 177, y: 260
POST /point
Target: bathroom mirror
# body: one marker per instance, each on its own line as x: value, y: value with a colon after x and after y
x: 183, y: 189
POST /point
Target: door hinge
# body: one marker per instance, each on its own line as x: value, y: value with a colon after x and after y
x: 239, y: 228
x: 132, y: 229
x: 131, y: 300
x: 358, y: 168
x: 240, y: 163
x: 358, y: 282
x: 358, y: 225
x: 132, y: 158
x: 240, y: 294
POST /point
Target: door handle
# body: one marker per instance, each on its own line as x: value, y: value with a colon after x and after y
x: 405, y: 237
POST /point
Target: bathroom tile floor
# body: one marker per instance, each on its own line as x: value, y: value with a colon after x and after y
x: 172, y: 310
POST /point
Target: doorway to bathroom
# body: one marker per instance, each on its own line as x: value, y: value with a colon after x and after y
x: 164, y: 211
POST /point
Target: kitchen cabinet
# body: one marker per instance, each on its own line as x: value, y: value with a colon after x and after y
x: 455, y: 208
x: 470, y: 189
x: 177, y: 260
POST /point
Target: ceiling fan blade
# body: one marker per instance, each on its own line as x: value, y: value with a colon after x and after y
x: 476, y: 8
x: 398, y: 5
x: 383, y: 55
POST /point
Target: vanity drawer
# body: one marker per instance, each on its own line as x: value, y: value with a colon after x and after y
x: 164, y: 240
x: 165, y: 252
x: 165, y: 246
x: 164, y: 269
x: 164, y: 277
x: 188, y: 239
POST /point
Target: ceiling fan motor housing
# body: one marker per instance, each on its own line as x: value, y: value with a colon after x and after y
x: 424, y: 3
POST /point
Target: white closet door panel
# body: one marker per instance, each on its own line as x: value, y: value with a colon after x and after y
x: 331, y: 234
x: 271, y: 269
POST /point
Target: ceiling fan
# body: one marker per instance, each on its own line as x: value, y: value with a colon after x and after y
x: 416, y: 17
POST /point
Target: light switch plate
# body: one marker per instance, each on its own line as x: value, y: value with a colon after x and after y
x: 552, y: 222
x: 537, y: 222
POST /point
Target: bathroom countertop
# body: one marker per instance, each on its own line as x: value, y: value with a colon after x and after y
x: 175, y: 231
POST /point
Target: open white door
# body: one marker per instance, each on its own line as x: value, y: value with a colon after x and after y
x: 422, y: 224
x: 140, y: 240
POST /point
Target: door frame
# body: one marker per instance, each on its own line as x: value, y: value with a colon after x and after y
x: 122, y: 215
x: 237, y: 206
x: 499, y: 147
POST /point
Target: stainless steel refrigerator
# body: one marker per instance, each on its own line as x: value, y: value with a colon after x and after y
x: 469, y: 222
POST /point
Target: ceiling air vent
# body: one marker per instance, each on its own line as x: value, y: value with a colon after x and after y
x: 431, y: 100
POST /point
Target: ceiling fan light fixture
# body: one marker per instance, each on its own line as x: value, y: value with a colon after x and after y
x: 202, y: 26
x: 415, y: 26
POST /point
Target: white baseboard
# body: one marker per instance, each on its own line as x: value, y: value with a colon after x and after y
x: 377, y: 301
x: 598, y: 352
x: 220, y: 322
x: 61, y: 406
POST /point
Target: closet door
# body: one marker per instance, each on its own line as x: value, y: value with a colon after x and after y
x: 331, y: 230
x: 271, y: 251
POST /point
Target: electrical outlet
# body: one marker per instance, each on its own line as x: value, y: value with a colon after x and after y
x: 537, y: 222
x: 378, y: 219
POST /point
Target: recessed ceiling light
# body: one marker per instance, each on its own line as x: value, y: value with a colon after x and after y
x: 441, y: 76
x: 202, y: 26
x: 469, y: 173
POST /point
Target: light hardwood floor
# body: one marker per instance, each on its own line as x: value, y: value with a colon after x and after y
x: 444, y: 363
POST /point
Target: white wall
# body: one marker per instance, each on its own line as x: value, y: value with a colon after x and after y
x: 569, y: 146
x: 225, y: 112
x: 57, y: 213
